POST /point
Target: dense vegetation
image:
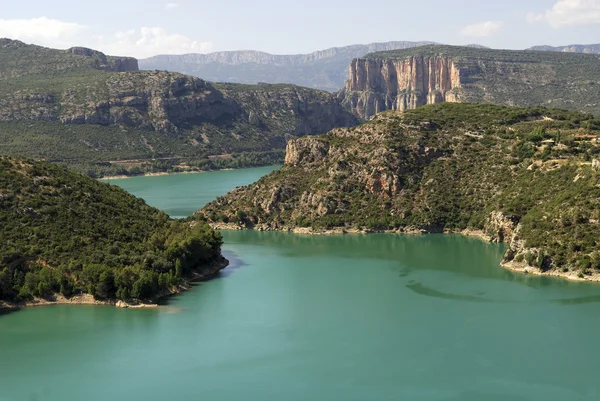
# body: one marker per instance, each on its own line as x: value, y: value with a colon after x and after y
x: 69, y: 234
x: 443, y: 167
x: 98, y: 151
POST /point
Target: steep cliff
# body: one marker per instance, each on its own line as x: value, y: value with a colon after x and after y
x: 113, y: 115
x: 410, y: 78
x: 377, y: 85
x: 503, y: 173
x: 324, y: 69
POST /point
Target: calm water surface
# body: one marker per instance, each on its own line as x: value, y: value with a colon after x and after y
x: 361, y: 318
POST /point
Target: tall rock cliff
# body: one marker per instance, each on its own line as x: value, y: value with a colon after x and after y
x: 406, y: 79
x: 376, y: 85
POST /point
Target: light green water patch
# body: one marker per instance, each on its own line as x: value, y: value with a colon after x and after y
x: 180, y: 195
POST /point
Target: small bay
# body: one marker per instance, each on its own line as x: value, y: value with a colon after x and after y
x: 355, y: 317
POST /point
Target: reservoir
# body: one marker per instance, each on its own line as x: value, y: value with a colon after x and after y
x: 355, y: 317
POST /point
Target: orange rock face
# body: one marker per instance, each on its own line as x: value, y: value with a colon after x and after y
x: 377, y: 85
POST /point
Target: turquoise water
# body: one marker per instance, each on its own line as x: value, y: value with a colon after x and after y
x: 180, y: 195
x: 377, y: 317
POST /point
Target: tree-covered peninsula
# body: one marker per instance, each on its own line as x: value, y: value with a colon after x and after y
x: 63, y: 234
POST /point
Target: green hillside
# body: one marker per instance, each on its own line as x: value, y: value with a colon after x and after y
x: 100, y: 115
x: 525, y: 176
x: 65, y: 233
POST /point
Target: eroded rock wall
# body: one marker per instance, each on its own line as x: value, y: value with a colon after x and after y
x: 377, y: 85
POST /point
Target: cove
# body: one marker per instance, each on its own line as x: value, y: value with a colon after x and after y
x: 355, y: 317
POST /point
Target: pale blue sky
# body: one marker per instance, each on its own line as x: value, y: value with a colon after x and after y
x: 146, y: 27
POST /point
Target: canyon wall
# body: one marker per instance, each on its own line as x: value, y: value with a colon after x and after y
x: 406, y: 79
x: 376, y: 85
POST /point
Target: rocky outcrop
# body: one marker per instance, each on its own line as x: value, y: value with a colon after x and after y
x: 311, y: 111
x: 501, y: 227
x: 102, y: 62
x: 160, y: 101
x: 377, y: 85
x: 406, y: 79
x: 308, y: 150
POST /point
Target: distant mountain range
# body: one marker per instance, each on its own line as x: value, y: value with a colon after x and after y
x: 325, y: 69
x: 590, y: 49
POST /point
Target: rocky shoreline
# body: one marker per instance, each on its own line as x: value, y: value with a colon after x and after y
x: 523, y: 268
x: 88, y: 299
x: 124, y: 177
x: 517, y: 267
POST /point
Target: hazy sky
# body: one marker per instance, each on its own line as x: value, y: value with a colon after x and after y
x: 142, y: 28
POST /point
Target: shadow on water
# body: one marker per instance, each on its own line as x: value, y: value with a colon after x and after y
x: 7, y: 311
x: 421, y: 289
x: 235, y: 263
x: 578, y: 301
x: 476, y: 395
x: 430, y: 292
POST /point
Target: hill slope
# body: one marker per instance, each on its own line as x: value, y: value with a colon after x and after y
x: 522, y: 176
x: 325, y: 69
x: 69, y: 108
x: 406, y: 79
x: 69, y: 234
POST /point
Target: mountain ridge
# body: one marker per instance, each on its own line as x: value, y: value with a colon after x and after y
x: 589, y: 49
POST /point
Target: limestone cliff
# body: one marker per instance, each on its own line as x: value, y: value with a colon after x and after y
x: 171, y: 102
x: 377, y: 85
x: 406, y: 79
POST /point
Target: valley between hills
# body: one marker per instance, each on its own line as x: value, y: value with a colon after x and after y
x: 431, y: 139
